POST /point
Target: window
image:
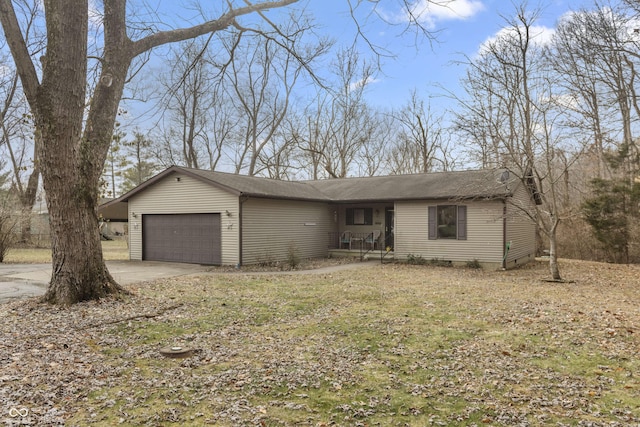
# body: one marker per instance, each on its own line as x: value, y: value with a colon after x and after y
x: 448, y: 222
x: 359, y: 216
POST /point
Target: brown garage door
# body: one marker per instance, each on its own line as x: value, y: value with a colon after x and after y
x: 190, y: 238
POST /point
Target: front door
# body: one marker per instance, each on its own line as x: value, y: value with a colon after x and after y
x: 389, y: 224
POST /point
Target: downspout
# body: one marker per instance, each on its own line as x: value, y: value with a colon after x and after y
x: 505, y: 245
x: 242, y: 199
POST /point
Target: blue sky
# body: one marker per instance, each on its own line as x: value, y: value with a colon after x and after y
x: 461, y: 29
x: 431, y: 69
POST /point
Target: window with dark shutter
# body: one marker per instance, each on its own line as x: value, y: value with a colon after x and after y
x: 359, y: 216
x: 447, y: 222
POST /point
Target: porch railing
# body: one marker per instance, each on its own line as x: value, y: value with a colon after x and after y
x: 358, y: 241
x: 360, y: 245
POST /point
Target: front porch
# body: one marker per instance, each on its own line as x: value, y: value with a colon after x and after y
x: 363, y: 231
x: 363, y: 245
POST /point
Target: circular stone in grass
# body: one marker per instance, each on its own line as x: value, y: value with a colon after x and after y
x: 176, y: 352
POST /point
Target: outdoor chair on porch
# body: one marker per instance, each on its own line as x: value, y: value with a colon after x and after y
x: 345, y: 239
x: 372, y: 239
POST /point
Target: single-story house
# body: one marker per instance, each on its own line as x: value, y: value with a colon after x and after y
x: 216, y: 218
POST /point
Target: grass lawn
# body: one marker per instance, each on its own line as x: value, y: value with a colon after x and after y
x: 112, y: 250
x: 385, y: 345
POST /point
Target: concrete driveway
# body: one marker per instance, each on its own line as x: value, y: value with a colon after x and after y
x: 28, y: 280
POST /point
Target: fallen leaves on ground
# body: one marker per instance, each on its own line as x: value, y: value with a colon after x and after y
x: 382, y: 345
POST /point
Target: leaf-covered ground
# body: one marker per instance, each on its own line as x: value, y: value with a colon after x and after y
x: 382, y: 345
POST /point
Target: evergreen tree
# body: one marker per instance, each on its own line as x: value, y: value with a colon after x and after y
x: 613, y: 211
x: 112, y: 172
x: 141, y: 167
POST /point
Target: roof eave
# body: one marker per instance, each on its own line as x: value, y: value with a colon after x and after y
x: 408, y: 199
x: 277, y: 197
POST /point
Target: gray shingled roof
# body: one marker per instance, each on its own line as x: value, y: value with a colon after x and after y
x: 440, y: 185
x: 260, y: 187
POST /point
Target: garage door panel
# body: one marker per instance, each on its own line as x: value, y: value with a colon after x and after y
x: 189, y: 238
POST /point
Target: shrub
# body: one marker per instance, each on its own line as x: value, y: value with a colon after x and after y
x: 292, y: 256
x: 266, y: 261
x: 440, y: 262
x: 416, y: 259
x: 7, y: 232
x: 475, y: 264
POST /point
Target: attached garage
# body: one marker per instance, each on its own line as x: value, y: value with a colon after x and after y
x: 188, y: 238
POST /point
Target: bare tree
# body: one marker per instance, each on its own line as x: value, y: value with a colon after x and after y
x: 260, y: 80
x: 422, y: 142
x: 278, y: 157
x: 574, y: 57
x: 475, y: 120
x: 189, y: 89
x: 610, y: 39
x: 339, y: 123
x: 521, y: 121
x: 17, y: 134
x: 354, y: 126
x: 222, y: 126
x: 373, y: 154
x: 311, y: 131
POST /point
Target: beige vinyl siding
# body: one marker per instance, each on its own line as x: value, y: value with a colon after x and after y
x: 484, y: 233
x: 186, y: 195
x: 270, y: 226
x: 521, y: 229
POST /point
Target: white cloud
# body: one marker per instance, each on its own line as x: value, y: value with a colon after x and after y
x: 539, y: 34
x: 362, y: 83
x: 430, y: 12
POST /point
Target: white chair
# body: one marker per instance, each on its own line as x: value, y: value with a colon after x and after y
x: 372, y: 239
x: 345, y: 239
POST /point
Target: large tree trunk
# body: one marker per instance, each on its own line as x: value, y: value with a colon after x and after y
x: 70, y: 158
x: 79, y: 272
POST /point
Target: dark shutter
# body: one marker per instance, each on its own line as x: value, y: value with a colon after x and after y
x: 433, y: 223
x: 349, y: 215
x: 462, y: 223
x: 368, y: 216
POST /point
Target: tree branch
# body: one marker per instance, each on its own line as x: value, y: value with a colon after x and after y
x: 19, y: 51
x: 224, y: 21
